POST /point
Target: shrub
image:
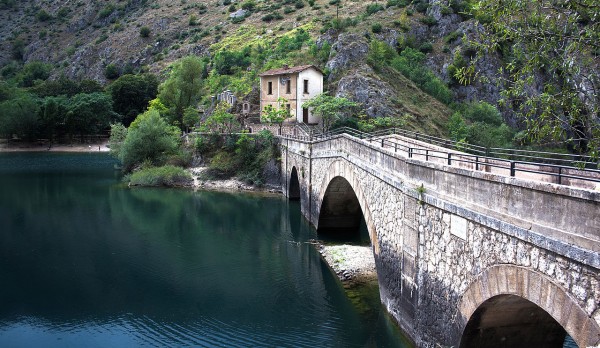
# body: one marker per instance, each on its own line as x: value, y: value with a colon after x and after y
x: 144, y: 31
x: 223, y: 164
x: 271, y: 16
x: 452, y: 36
x: 376, y: 28
x: 160, y: 176
x: 483, y: 112
x: 299, y: 4
x: 379, y: 54
x: 226, y: 62
x: 457, y: 127
x: 410, y: 64
x: 149, y: 139
x: 43, y: 16
x: 18, y: 49
x: 426, y: 47
x: 106, y: 11
x: 249, y: 5
x: 373, y: 8
x: 399, y: 3
x: 111, y: 72
x: 421, y: 5
x: 428, y: 20
x: 32, y: 72
x: 486, y: 126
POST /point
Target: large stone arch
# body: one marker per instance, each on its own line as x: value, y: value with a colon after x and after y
x: 345, y: 170
x: 533, y: 287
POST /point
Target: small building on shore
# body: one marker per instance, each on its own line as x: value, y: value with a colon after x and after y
x: 296, y: 85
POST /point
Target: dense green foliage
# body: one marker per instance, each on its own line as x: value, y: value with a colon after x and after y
x: 410, y: 63
x: 149, y: 141
x: 480, y: 124
x: 557, y: 40
x: 220, y: 121
x: 53, y: 108
x: 19, y: 116
x: 276, y: 115
x: 131, y: 94
x: 243, y: 155
x: 226, y: 62
x: 330, y: 109
x: 167, y: 175
x: 183, y: 88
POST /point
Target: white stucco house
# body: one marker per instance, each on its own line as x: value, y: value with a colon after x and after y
x: 296, y: 85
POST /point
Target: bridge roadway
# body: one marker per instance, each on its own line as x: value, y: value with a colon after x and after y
x: 469, y: 253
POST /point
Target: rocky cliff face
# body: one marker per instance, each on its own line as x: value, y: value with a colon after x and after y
x: 354, y: 79
x: 383, y: 93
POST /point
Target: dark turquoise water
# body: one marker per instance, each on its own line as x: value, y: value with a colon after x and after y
x: 86, y: 262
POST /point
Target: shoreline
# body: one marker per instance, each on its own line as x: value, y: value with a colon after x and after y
x: 354, y: 265
x: 226, y: 185
x: 44, y: 147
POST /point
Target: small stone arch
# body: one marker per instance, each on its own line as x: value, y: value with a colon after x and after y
x: 344, y: 170
x: 533, y: 287
x: 293, y: 185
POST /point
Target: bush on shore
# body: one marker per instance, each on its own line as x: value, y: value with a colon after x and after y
x: 160, y: 176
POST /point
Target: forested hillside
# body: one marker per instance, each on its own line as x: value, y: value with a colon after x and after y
x: 520, y: 75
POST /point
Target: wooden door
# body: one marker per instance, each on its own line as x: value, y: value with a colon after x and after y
x: 305, y: 115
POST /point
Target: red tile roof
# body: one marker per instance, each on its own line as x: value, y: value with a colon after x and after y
x: 289, y: 70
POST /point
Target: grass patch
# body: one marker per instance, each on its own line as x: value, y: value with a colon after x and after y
x: 160, y: 176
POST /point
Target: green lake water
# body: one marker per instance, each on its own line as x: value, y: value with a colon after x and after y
x: 87, y: 262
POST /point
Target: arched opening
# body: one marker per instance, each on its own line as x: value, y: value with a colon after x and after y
x: 512, y: 321
x: 341, y: 217
x: 294, y: 186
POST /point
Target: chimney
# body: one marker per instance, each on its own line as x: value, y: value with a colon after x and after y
x: 285, y: 66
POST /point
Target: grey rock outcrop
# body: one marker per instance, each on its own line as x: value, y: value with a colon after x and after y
x: 349, y: 51
x: 373, y: 93
x: 354, y: 79
x: 241, y: 13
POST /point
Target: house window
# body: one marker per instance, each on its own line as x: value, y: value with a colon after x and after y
x: 287, y: 108
x: 305, y: 86
x: 288, y: 87
x: 269, y: 87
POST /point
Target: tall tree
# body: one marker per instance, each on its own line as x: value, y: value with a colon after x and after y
x: 330, y: 109
x: 131, y: 94
x: 183, y: 87
x: 555, y: 39
x: 220, y: 121
x: 19, y: 116
x: 89, y: 113
x: 276, y: 115
x: 149, y: 138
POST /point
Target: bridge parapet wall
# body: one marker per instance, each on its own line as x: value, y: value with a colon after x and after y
x: 565, y: 214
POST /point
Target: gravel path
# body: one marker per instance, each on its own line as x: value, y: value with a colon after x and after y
x: 351, y: 263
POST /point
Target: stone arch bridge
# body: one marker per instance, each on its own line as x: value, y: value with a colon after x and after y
x: 466, y: 255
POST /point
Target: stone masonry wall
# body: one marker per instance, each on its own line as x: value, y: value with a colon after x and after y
x: 431, y: 248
